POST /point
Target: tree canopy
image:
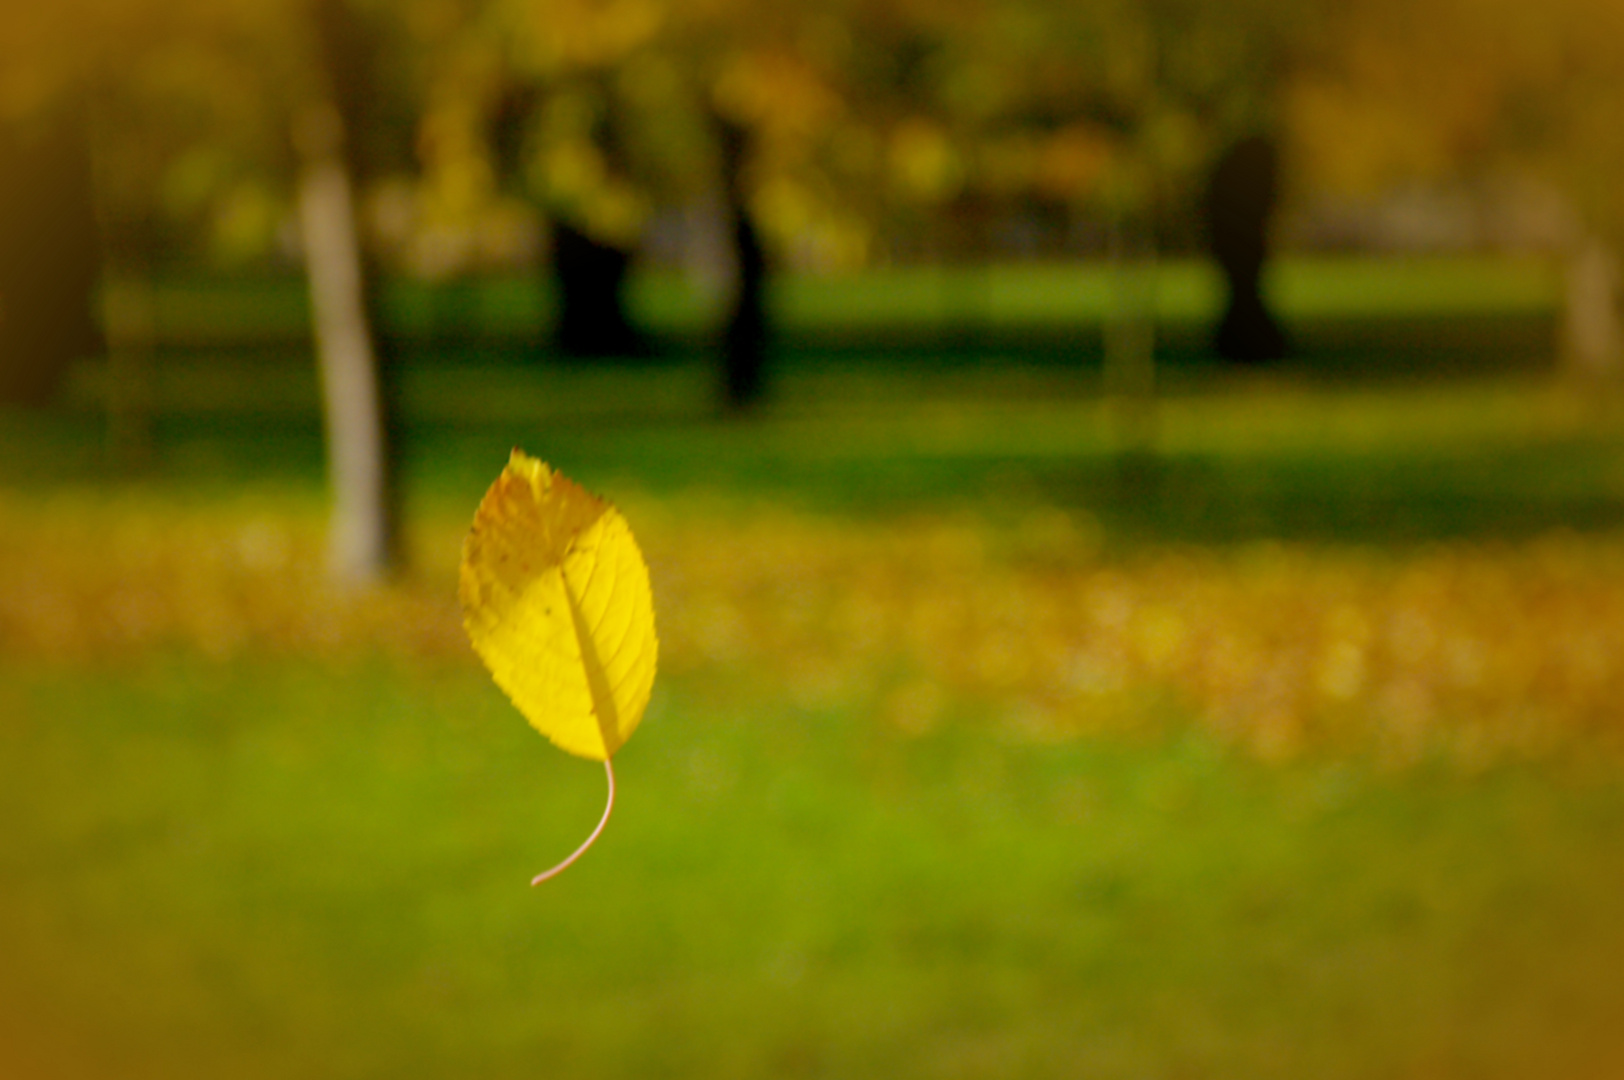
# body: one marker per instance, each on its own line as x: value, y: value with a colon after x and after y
x: 869, y: 122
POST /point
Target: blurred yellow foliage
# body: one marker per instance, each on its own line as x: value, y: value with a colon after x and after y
x: 777, y: 91
x: 1072, y: 161
x: 574, y: 34
x: 1476, y: 651
x: 924, y: 165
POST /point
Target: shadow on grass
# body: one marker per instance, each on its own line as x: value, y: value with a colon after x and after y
x: 1507, y: 495
x: 960, y: 419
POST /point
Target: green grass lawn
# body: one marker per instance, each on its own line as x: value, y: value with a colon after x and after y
x: 1039, y: 295
x: 224, y: 854
x: 293, y: 869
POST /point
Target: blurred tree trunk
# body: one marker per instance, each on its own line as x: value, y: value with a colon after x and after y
x: 588, y: 271
x: 590, y: 275
x: 744, y: 343
x: 1592, y: 339
x: 50, y: 255
x: 363, y: 539
x: 1240, y: 199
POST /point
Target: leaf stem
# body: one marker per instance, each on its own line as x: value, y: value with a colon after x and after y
x: 607, y: 809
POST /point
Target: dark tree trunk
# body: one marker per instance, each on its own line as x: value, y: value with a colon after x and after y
x: 744, y: 351
x: 1240, y: 199
x: 590, y: 276
x: 744, y: 342
x: 50, y: 256
x: 356, y: 377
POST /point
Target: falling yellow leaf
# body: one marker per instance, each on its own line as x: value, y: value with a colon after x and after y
x: 555, y: 598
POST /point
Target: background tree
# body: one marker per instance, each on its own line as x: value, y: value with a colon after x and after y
x: 1241, y: 198
x: 330, y: 127
x: 865, y: 131
x: 1477, y: 95
x: 192, y: 106
x: 50, y: 255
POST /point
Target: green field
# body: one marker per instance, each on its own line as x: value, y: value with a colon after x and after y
x: 1041, y: 296
x: 293, y: 869
x: 978, y: 750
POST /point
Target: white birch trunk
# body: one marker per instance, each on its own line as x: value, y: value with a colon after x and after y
x: 361, y: 532
x: 1592, y: 338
